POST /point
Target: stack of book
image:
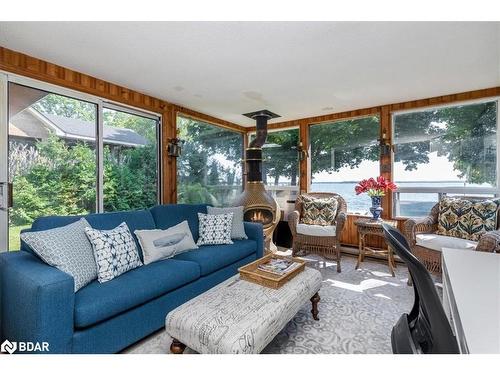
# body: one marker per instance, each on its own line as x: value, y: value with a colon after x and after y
x: 279, y: 266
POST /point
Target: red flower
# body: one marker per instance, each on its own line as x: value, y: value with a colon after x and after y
x: 373, y: 186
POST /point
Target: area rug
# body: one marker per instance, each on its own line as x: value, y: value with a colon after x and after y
x: 357, y: 311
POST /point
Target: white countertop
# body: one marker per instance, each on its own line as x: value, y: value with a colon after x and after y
x: 475, y: 284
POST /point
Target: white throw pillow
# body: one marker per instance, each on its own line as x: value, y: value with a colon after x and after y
x: 115, y: 251
x: 215, y: 229
x: 157, y: 244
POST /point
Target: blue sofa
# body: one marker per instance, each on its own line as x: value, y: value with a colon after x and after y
x: 37, y: 301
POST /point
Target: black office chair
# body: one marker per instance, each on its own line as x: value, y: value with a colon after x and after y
x: 426, y: 329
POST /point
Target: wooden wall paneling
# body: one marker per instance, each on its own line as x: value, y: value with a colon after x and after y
x: 349, y: 235
x: 28, y: 66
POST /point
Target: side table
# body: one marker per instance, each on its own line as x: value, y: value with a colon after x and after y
x: 367, y: 226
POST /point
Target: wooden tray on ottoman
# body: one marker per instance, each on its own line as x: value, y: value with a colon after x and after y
x: 251, y: 273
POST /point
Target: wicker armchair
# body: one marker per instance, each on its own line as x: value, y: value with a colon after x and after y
x: 489, y: 242
x: 327, y: 246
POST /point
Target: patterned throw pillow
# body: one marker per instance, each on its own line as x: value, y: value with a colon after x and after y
x: 318, y: 211
x: 215, y: 229
x: 115, y: 251
x: 66, y: 248
x: 467, y: 219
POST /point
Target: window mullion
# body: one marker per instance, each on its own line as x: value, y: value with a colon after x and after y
x: 100, y: 158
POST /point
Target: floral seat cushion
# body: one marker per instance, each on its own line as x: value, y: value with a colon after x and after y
x: 318, y: 211
x: 463, y: 218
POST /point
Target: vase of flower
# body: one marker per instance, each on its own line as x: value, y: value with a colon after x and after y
x: 376, y: 208
x: 375, y: 189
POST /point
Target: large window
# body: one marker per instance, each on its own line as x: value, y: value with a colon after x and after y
x: 342, y: 154
x: 210, y: 167
x: 280, y: 166
x: 447, y: 150
x: 53, y: 165
x: 130, y: 161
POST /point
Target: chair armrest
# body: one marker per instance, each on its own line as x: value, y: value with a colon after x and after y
x: 293, y: 220
x: 412, y: 227
x: 255, y: 232
x: 341, y: 218
x: 489, y: 242
x: 36, y: 302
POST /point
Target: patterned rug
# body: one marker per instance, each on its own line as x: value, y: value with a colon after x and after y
x: 357, y: 311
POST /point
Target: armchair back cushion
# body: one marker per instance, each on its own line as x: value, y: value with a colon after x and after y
x: 320, y: 208
x: 318, y: 211
x: 467, y: 219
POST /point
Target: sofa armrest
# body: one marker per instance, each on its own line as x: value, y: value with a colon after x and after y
x: 293, y: 220
x: 412, y: 227
x: 255, y: 232
x: 489, y: 242
x: 36, y: 302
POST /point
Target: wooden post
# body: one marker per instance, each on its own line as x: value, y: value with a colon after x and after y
x: 386, y: 160
x: 305, y: 163
x: 169, y: 163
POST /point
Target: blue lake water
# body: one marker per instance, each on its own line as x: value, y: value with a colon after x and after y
x: 411, y: 204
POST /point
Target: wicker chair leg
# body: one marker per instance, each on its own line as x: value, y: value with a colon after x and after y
x: 337, y: 248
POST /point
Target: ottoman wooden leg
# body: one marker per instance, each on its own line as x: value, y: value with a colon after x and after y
x: 177, y: 347
x: 314, y: 300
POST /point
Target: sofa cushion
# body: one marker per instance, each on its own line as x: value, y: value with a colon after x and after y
x: 214, y: 257
x: 318, y: 211
x: 97, y: 302
x: 316, y: 230
x: 140, y: 219
x: 168, y: 215
x: 437, y: 242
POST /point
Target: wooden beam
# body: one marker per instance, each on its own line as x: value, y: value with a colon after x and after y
x: 445, y: 99
x: 186, y: 112
x: 323, y: 118
x: 32, y: 67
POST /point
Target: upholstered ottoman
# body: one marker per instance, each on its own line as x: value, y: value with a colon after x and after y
x: 237, y: 316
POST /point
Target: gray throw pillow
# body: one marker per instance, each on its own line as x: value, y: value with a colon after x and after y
x: 66, y: 248
x: 115, y: 251
x: 160, y: 244
x: 237, y: 229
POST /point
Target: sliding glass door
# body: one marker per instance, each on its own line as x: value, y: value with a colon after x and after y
x: 59, y: 158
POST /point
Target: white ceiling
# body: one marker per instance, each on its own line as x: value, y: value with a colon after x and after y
x: 295, y: 69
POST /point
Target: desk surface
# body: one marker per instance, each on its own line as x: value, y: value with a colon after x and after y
x: 474, y: 279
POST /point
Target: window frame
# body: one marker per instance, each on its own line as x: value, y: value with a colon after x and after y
x: 456, y: 190
x: 101, y: 104
x: 332, y: 122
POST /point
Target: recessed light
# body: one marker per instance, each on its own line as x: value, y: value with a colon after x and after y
x: 327, y: 109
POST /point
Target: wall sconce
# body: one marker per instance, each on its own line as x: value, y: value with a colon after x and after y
x: 303, y: 154
x: 174, y: 147
x: 385, y: 145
